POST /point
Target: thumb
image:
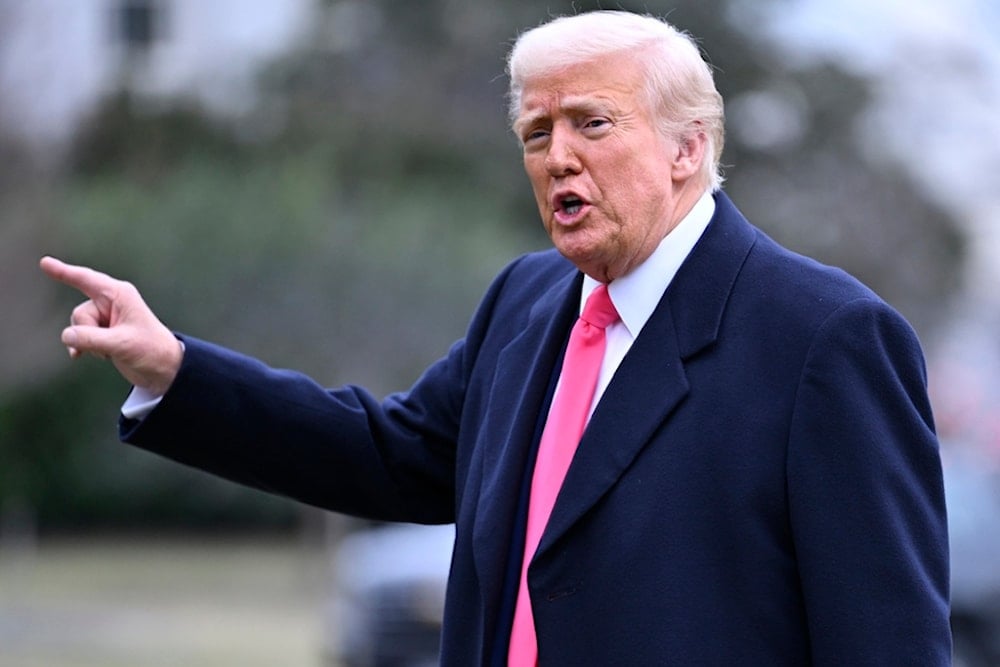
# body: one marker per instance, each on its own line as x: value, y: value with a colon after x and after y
x: 82, y: 339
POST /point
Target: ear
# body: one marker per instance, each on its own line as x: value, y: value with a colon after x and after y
x: 690, y: 153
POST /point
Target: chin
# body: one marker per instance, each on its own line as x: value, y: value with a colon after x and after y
x: 587, y: 264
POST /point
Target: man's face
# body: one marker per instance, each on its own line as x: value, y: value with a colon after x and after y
x: 604, y: 177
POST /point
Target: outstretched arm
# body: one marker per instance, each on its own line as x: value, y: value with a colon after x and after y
x: 115, y: 323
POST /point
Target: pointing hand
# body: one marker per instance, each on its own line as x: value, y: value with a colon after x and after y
x: 115, y: 323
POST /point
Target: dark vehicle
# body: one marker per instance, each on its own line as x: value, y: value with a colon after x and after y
x: 388, y: 597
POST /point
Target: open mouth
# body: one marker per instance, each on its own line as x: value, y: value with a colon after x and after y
x: 571, y: 205
x: 567, y: 203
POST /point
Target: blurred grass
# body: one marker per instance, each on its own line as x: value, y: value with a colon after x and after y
x: 110, y: 603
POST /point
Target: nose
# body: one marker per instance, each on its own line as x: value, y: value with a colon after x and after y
x: 562, y: 158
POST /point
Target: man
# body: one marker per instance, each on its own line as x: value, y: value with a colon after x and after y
x: 758, y: 482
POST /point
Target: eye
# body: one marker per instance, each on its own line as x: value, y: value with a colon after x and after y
x: 596, y: 123
x: 534, y: 136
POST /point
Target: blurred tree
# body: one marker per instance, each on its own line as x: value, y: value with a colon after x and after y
x: 60, y: 465
x: 797, y: 162
x: 377, y: 186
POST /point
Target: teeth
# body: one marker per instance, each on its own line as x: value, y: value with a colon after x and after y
x: 572, y: 205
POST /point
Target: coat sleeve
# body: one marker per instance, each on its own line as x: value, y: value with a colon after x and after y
x: 866, y: 495
x: 340, y: 449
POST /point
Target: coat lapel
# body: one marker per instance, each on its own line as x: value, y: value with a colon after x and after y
x: 651, y: 381
x: 517, y: 397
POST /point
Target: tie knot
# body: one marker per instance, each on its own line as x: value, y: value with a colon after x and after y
x: 599, y: 311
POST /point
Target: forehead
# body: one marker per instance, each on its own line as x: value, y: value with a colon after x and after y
x: 607, y: 83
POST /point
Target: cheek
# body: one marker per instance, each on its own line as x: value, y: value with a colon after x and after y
x: 538, y: 179
x: 632, y: 206
x: 638, y: 185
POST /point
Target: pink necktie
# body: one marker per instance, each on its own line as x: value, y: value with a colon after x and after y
x: 563, y: 429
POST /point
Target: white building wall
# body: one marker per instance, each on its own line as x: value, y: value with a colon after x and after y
x: 53, y: 64
x: 58, y: 58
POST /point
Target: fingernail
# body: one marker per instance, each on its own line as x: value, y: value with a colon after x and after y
x: 70, y: 337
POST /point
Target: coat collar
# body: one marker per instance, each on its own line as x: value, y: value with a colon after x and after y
x: 698, y: 295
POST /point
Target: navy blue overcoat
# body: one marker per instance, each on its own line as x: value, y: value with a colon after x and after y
x: 759, y: 485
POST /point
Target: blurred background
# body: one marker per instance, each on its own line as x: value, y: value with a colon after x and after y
x: 292, y: 178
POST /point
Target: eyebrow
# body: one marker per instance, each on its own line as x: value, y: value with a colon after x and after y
x: 587, y: 104
x: 527, y: 120
x: 578, y: 104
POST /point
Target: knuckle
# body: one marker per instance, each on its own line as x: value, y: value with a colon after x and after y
x: 122, y: 289
x: 109, y: 293
x: 81, y: 312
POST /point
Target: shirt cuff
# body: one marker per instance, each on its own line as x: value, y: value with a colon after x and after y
x: 140, y: 402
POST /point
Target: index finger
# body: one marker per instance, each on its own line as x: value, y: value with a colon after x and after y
x: 92, y: 283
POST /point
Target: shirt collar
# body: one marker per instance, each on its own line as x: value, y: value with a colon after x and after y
x: 637, y: 293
